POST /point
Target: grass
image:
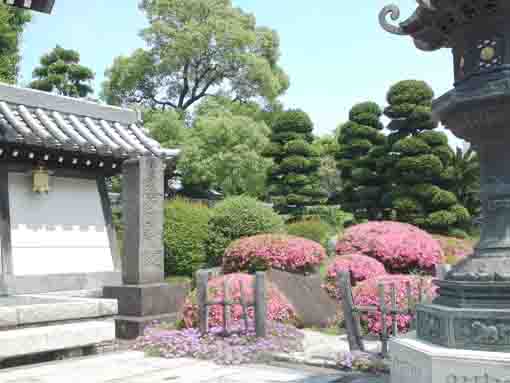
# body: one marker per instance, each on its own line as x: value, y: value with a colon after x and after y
x: 331, y: 330
x: 177, y: 279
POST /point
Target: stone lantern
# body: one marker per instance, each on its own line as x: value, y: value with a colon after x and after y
x: 45, y: 6
x: 472, y: 311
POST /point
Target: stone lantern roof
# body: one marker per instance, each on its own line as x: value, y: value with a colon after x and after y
x: 434, y: 24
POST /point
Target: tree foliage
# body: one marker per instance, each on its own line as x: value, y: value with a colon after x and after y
x: 195, y: 48
x: 223, y: 151
x: 465, y: 181
x: 12, y: 23
x: 361, y: 159
x: 421, y: 162
x: 61, y: 72
x: 294, y: 181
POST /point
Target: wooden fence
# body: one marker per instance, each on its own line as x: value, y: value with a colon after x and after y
x: 259, y: 303
x: 353, y: 313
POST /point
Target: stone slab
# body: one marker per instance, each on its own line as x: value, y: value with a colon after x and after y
x: 420, y: 362
x: 52, y: 338
x: 134, y: 367
x: 313, y: 305
x: 131, y: 327
x: 41, y: 309
x: 141, y: 300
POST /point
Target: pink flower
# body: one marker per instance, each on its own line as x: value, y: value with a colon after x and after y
x: 278, y: 307
x: 366, y: 293
x: 399, y: 246
x: 361, y: 268
x: 283, y: 252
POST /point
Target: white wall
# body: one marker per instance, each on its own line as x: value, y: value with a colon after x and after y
x: 63, y: 231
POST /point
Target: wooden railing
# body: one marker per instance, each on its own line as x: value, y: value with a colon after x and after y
x: 353, y: 313
x: 259, y: 304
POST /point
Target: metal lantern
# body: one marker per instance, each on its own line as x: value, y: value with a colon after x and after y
x: 473, y: 307
x: 45, y: 6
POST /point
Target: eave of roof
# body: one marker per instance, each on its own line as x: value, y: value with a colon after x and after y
x: 46, y: 120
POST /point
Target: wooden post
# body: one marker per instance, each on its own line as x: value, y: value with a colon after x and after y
x: 394, y: 310
x: 226, y: 306
x: 409, y: 303
x: 203, y: 309
x: 260, y: 304
x: 353, y: 332
x: 242, y: 300
x: 384, y: 330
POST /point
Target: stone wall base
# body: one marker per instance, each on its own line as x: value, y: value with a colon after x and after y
x: 130, y: 327
x: 415, y: 361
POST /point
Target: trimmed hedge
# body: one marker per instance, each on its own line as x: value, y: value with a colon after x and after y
x: 238, y: 217
x: 283, y: 252
x: 312, y: 228
x: 185, y: 233
x: 399, y: 246
x: 359, y: 266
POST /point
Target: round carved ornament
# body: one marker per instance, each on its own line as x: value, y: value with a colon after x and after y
x: 487, y: 53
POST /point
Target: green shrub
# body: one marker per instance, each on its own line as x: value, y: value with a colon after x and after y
x: 185, y: 233
x: 238, y: 217
x: 334, y: 216
x: 311, y: 228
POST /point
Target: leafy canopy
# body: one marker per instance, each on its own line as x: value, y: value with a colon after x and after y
x: 60, y: 72
x: 12, y: 23
x: 194, y: 49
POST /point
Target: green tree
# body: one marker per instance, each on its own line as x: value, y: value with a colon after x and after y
x: 294, y: 181
x: 12, y: 23
x: 60, y: 72
x: 421, y: 162
x: 329, y: 175
x: 361, y: 160
x: 197, y: 48
x: 223, y: 151
x: 465, y: 182
x: 168, y: 127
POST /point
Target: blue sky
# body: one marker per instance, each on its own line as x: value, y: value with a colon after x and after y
x: 334, y: 51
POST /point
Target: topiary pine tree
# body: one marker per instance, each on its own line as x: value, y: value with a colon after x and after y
x: 293, y: 179
x: 421, y: 162
x: 360, y: 159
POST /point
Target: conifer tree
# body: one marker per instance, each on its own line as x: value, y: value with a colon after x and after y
x: 361, y: 161
x: 421, y: 162
x: 293, y: 179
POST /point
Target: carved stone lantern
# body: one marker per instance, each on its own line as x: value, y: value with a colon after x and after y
x: 472, y: 310
x: 45, y: 6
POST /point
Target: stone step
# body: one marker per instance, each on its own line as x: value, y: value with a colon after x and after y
x: 35, y: 340
x: 29, y: 310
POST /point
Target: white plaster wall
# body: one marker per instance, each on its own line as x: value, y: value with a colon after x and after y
x: 60, y: 232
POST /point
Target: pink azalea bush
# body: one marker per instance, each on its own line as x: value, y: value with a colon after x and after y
x: 399, y: 246
x: 360, y: 266
x: 366, y: 294
x: 278, y: 307
x: 454, y: 249
x: 284, y: 252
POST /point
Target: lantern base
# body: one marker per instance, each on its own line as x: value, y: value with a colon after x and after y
x: 420, y: 362
x: 464, y: 328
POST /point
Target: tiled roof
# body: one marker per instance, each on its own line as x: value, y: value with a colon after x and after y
x: 54, y: 122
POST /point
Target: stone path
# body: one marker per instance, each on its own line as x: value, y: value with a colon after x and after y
x: 322, y: 349
x: 134, y: 367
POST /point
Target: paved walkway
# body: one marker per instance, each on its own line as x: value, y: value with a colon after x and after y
x: 134, y: 367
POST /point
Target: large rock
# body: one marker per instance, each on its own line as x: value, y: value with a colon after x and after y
x: 313, y: 305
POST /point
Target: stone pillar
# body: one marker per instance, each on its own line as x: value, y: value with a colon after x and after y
x: 143, y: 297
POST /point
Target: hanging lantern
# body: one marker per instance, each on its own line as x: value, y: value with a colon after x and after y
x: 45, y: 6
x: 41, y: 180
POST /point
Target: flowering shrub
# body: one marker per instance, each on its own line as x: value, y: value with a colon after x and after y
x: 363, y: 361
x: 360, y: 266
x: 454, y: 249
x: 399, y: 246
x: 235, y: 349
x: 278, y: 307
x: 282, y: 252
x: 366, y: 294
